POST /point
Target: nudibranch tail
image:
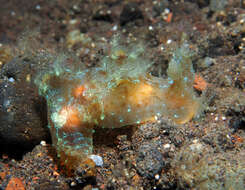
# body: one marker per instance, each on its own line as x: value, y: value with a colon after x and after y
x: 181, y: 100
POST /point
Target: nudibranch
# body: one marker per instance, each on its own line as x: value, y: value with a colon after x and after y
x: 118, y: 92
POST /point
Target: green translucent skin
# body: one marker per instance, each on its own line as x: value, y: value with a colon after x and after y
x: 117, y: 93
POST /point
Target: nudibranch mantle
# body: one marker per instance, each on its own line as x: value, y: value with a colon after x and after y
x: 118, y: 92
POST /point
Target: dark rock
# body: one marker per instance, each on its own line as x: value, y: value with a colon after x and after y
x: 237, y: 120
x: 200, y: 3
x: 217, y: 47
x: 102, y: 15
x: 17, y: 69
x: 149, y: 160
x: 178, y: 140
x: 23, y: 114
x: 226, y: 20
x: 237, y: 123
x: 224, y: 142
x: 150, y: 130
x: 159, y: 8
x: 130, y: 12
x: 240, y: 82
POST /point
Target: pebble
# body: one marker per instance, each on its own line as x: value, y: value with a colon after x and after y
x: 166, y: 146
x: 169, y: 41
x: 114, y: 28
x: 98, y: 160
x: 157, y: 176
x: 11, y: 79
x: 149, y: 160
x: 73, y: 184
x: 23, y: 112
x: 130, y: 12
x: 43, y: 143
x: 15, y: 184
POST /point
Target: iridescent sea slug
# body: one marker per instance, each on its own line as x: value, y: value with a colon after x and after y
x: 116, y: 93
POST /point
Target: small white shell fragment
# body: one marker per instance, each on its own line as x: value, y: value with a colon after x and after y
x: 98, y: 160
x: 157, y: 176
x: 166, y: 146
x: 43, y: 143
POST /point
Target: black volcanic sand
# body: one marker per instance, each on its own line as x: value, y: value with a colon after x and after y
x: 205, y: 153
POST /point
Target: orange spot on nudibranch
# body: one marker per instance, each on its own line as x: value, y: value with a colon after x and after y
x: 78, y: 91
x: 140, y: 94
x: 71, y: 116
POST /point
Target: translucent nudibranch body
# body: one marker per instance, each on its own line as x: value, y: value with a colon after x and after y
x: 116, y: 93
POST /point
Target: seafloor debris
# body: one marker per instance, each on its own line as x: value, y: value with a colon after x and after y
x: 116, y: 93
